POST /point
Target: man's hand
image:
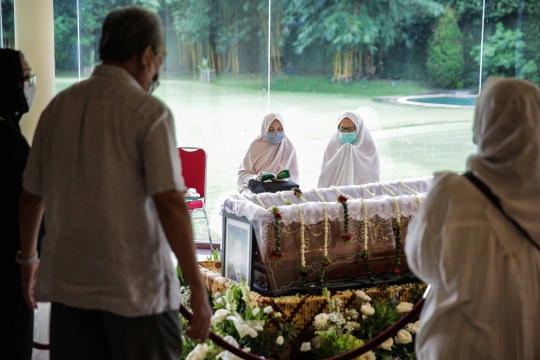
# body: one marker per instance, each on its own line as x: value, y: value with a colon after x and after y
x: 28, y: 280
x: 202, y: 312
x: 174, y: 217
x: 30, y: 217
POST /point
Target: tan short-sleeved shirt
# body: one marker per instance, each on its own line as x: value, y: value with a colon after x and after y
x: 102, y: 148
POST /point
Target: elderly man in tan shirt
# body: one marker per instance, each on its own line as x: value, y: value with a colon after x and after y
x: 105, y: 172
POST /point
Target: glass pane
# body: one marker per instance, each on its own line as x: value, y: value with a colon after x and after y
x: 215, y: 84
x: 511, y: 42
x: 213, y: 78
x: 329, y: 57
x: 8, y: 25
x: 65, y: 43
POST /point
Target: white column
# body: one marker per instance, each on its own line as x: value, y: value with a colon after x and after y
x: 34, y: 36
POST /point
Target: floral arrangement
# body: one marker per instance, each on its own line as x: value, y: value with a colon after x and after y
x: 285, y: 201
x: 259, y: 201
x: 325, y: 261
x: 342, y: 329
x: 365, y: 254
x: 243, y: 324
x: 347, y: 235
x: 299, y: 194
x: 396, y: 228
x: 366, y: 190
x: 303, y: 267
x: 415, y: 194
x: 276, y: 253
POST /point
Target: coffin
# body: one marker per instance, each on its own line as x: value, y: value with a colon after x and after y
x: 373, y: 211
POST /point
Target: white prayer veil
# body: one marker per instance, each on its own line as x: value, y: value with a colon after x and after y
x: 507, y: 132
x: 351, y: 164
x: 265, y: 156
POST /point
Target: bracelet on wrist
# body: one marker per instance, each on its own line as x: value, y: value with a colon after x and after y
x: 27, y: 261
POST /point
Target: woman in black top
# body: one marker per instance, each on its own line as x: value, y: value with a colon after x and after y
x: 16, y: 95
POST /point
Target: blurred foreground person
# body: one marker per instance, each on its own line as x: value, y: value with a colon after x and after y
x: 17, y: 89
x: 104, y: 166
x: 476, y: 239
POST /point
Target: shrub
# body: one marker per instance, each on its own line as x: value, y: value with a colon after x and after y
x: 503, y: 55
x: 445, y: 52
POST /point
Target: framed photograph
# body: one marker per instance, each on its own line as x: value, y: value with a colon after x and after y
x: 237, y: 250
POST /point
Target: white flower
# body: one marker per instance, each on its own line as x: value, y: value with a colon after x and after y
x: 278, y: 314
x: 255, y: 311
x: 217, y: 294
x: 306, y: 346
x: 219, y: 301
x: 225, y: 355
x: 256, y: 324
x: 242, y: 328
x: 199, y: 353
x: 362, y: 295
x: 268, y: 310
x: 387, y: 345
x: 367, y: 309
x: 416, y: 327
x: 316, y: 342
x: 368, y: 356
x: 221, y: 314
x: 279, y: 340
x: 404, y: 307
x: 321, y: 320
x: 403, y: 337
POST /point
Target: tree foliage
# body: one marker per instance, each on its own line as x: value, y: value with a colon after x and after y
x: 445, y: 52
x: 352, y: 39
x: 503, y: 55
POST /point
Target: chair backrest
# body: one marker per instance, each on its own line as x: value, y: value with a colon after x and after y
x: 193, y: 164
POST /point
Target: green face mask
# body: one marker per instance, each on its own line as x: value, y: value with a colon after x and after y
x: 347, y: 138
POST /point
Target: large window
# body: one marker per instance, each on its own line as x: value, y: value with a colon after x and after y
x: 222, y: 74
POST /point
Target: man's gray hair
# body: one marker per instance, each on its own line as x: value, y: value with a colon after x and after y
x: 127, y: 31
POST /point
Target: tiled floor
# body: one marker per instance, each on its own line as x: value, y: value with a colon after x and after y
x: 41, y: 333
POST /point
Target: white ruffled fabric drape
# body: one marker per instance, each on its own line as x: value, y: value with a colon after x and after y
x: 265, y: 156
x: 507, y: 131
x: 350, y: 164
x: 380, y: 203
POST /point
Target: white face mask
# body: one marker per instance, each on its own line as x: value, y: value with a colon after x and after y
x: 29, y: 93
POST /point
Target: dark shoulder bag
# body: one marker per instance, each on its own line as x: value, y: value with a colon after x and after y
x: 495, y: 201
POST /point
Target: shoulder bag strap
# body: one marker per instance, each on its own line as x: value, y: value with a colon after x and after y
x: 495, y: 201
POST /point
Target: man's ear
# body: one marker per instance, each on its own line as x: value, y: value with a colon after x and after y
x: 146, y: 56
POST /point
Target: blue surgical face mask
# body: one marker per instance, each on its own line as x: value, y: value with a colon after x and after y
x: 347, y: 138
x: 275, y: 137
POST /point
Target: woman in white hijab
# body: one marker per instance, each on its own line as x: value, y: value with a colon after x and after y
x: 484, y: 271
x: 351, y: 157
x: 272, y: 151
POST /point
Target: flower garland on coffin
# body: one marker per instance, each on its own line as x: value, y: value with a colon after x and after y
x: 310, y: 211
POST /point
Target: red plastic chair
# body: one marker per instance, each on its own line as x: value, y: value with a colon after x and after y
x: 193, y: 163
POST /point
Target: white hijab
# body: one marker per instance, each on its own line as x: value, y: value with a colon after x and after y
x: 350, y: 164
x: 265, y: 156
x: 507, y: 131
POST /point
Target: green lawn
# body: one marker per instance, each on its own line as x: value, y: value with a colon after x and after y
x: 223, y: 117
